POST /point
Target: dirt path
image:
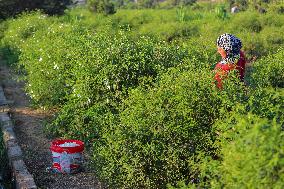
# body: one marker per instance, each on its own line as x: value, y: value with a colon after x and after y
x: 34, y: 143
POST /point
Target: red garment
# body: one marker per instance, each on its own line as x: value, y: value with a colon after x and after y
x: 223, y: 69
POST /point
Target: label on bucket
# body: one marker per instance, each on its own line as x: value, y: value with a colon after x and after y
x: 65, y: 162
x: 69, y: 144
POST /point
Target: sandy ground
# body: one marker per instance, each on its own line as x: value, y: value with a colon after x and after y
x: 35, y: 144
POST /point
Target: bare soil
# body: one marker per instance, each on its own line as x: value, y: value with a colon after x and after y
x: 35, y: 144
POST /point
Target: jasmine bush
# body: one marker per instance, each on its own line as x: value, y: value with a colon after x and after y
x: 139, y: 90
x: 20, y: 29
x: 111, y: 66
x: 162, y: 131
x: 251, y: 155
x: 254, y: 148
x: 269, y: 71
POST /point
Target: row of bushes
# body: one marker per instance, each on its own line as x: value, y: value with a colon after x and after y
x: 149, y: 109
x: 261, y: 34
x: 251, y: 155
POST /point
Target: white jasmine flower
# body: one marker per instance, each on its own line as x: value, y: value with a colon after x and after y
x: 55, y: 67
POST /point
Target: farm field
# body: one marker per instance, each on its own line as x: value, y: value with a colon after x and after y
x: 138, y: 88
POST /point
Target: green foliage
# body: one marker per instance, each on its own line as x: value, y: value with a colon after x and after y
x: 204, y: 6
x: 248, y: 22
x: 273, y: 38
x: 82, y: 122
x: 253, y: 157
x: 102, y: 79
x: 249, y: 146
x: 48, y: 65
x: 3, y: 28
x: 19, y: 30
x: 147, y: 3
x: 128, y: 19
x: 267, y: 103
x: 173, y: 3
x: 138, y: 88
x: 221, y: 11
x: 101, y: 6
x: 261, y: 35
x: 276, y: 8
x: 269, y: 71
x: 170, y: 31
x: 181, y: 14
x: 271, y: 19
x: 163, y: 129
x: 10, y: 8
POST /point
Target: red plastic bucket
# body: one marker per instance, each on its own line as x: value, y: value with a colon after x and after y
x: 67, y: 155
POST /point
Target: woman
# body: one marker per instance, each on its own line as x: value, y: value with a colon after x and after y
x: 229, y: 47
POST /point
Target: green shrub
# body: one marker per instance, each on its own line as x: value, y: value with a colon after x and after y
x: 163, y: 130
x: 276, y: 8
x: 19, y: 30
x: 205, y: 6
x: 131, y: 19
x: 48, y: 59
x: 117, y: 63
x: 82, y: 122
x: 253, y: 157
x: 183, y: 14
x: 167, y: 132
x: 102, y: 6
x: 253, y: 45
x: 267, y: 103
x: 271, y: 19
x: 247, y: 21
x: 200, y: 54
x: 248, y: 146
x: 108, y: 67
x: 269, y: 71
x: 85, y: 18
x: 169, y: 31
x: 272, y: 39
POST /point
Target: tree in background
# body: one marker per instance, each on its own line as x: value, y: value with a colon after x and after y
x: 244, y: 4
x: 10, y: 8
x: 102, y: 6
x: 55, y: 6
x: 119, y: 3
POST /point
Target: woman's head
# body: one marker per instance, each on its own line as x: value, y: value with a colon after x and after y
x: 229, y: 47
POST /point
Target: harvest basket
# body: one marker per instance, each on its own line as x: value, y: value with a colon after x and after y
x: 67, y: 155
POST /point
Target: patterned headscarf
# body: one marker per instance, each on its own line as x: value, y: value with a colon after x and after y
x: 232, y: 45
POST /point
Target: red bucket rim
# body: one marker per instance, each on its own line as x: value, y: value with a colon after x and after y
x: 55, y: 146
